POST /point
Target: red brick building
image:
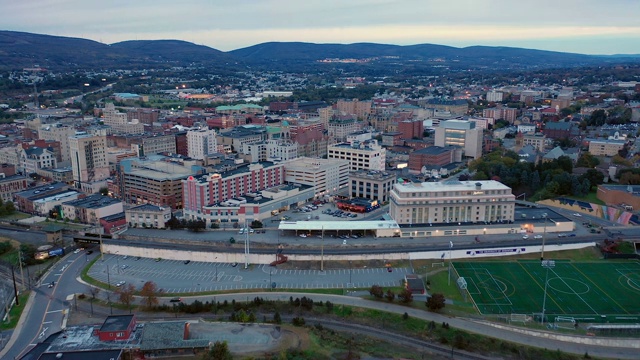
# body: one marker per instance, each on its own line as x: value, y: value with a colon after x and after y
x: 411, y: 129
x: 433, y: 155
x: 117, y: 327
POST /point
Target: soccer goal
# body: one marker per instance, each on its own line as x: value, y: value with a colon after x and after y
x: 462, y: 286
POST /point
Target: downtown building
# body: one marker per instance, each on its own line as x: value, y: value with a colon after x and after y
x: 326, y: 176
x: 460, y: 133
x: 368, y: 155
x: 250, y: 192
x: 89, y: 161
x: 155, y: 179
x: 467, y: 202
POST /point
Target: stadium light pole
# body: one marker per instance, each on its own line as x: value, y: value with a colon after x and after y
x: 450, y: 247
x: 544, y: 236
x: 547, y: 264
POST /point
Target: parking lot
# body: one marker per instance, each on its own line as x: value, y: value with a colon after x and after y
x: 175, y: 276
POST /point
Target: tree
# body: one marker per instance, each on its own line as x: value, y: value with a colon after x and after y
x: 405, y: 296
x: 125, y: 295
x: 277, y: 318
x: 376, y: 291
x: 594, y: 176
x: 219, y: 351
x: 149, y: 293
x: 104, y: 191
x: 435, y: 302
x: 390, y: 295
x: 256, y: 224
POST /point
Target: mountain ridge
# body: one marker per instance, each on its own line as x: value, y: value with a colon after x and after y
x: 22, y: 49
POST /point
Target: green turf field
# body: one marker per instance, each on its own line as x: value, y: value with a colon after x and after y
x: 586, y: 291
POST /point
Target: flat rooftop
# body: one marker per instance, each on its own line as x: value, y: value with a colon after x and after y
x: 338, y: 225
x: 116, y: 322
x: 450, y: 185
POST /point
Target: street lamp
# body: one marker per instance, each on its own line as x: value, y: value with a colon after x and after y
x: 450, y: 248
x: 544, y: 236
x: 547, y: 264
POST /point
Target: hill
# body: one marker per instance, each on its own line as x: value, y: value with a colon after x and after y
x: 19, y: 50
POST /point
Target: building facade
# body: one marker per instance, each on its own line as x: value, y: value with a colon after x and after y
x: 90, y: 209
x: 360, y: 155
x: 59, y: 133
x: 460, y: 133
x: 372, y: 185
x: 605, y: 147
x: 88, y: 158
x: 326, y: 176
x: 446, y: 202
x: 148, y: 215
x: 431, y: 156
x: 204, y: 190
x: 201, y: 143
x: 155, y: 180
x: 10, y: 185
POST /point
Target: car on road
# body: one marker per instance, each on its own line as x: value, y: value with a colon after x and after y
x: 89, y: 252
x: 538, y: 237
x: 303, y: 235
x: 562, y: 235
x: 76, y: 251
x: 344, y: 242
x: 175, y: 300
x: 120, y: 283
x: 525, y: 237
x: 576, y: 215
x: 52, y: 284
x: 187, y: 261
x: 571, y: 235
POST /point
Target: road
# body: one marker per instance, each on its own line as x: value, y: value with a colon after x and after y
x: 47, y: 305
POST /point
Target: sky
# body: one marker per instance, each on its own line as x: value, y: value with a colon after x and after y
x: 579, y: 26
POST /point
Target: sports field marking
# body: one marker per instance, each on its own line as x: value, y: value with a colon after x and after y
x: 633, y: 283
x: 604, y: 292
x: 583, y: 300
x: 574, y: 292
x: 478, y: 272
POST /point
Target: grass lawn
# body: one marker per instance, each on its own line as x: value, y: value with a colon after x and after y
x: 590, y: 197
x: 15, y: 216
x: 15, y: 312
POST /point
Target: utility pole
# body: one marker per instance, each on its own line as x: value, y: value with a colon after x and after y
x: 246, y: 245
x: 15, y: 288
x: 322, y: 250
x: 21, y: 269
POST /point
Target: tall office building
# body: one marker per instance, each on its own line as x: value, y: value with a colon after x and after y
x: 88, y: 158
x: 368, y: 155
x: 201, y: 143
x: 460, y: 133
x: 59, y: 133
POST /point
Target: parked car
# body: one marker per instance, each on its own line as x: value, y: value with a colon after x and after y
x: 538, y: 237
x: 187, y: 261
x: 174, y: 300
x: 120, y: 283
x: 525, y: 237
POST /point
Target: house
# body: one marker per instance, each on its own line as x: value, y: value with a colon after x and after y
x: 414, y: 284
x: 117, y: 327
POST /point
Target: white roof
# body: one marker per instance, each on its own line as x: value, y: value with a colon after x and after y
x: 338, y: 225
x: 450, y: 185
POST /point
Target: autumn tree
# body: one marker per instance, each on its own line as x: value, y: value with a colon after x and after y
x: 149, y: 293
x: 125, y: 295
x: 376, y: 291
x: 405, y: 296
x: 435, y: 302
x: 390, y: 295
